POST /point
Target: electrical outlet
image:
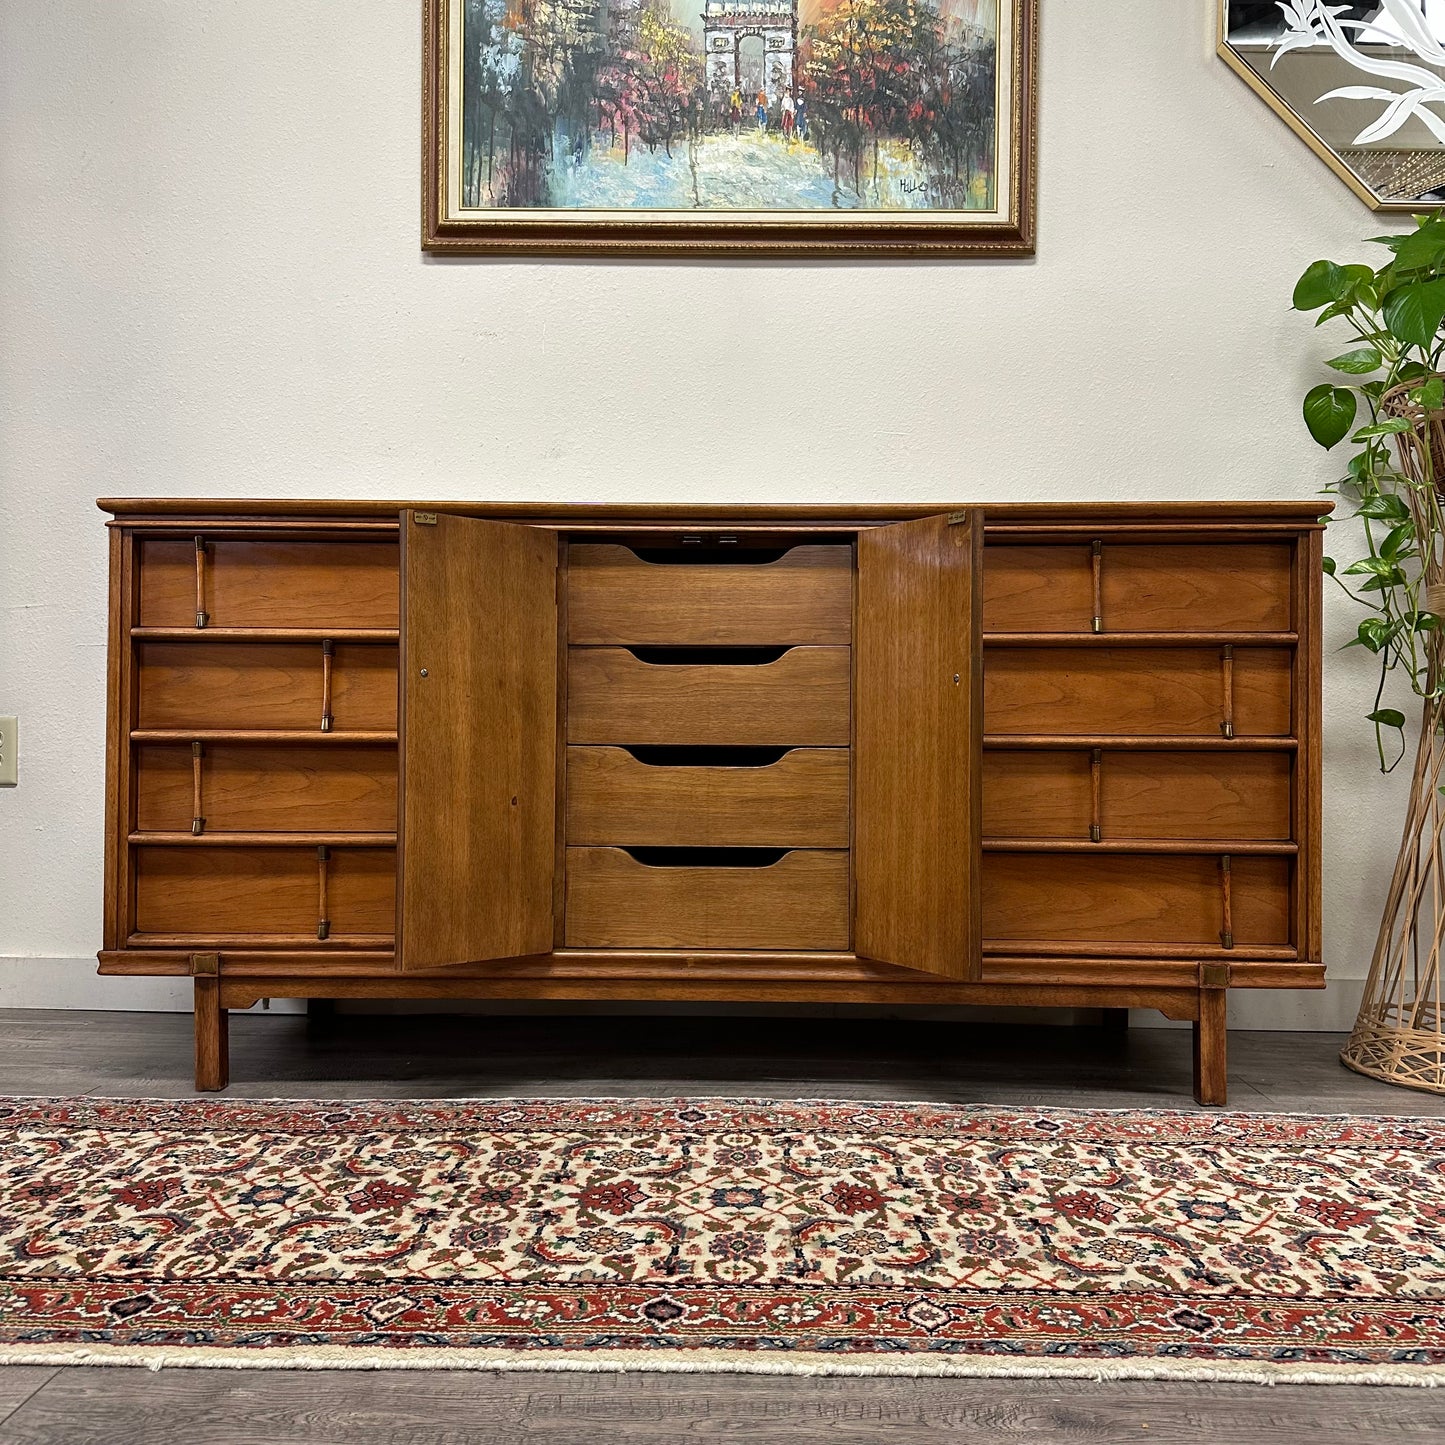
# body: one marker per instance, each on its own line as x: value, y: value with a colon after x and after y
x: 9, y: 747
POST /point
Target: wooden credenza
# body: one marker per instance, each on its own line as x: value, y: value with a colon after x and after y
x: 1014, y: 754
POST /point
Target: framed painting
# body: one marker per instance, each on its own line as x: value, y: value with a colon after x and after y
x: 730, y: 127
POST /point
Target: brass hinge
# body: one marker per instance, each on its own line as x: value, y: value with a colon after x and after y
x: 424, y: 519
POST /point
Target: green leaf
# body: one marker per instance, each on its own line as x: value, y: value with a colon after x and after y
x: 1381, y: 429
x: 1329, y: 413
x: 1321, y: 283
x: 1397, y: 541
x: 1371, y: 566
x: 1426, y: 248
x: 1431, y: 396
x: 1414, y: 312
x: 1359, y: 362
x: 1388, y: 717
x: 1384, y: 507
x: 1329, y: 565
x: 1373, y: 633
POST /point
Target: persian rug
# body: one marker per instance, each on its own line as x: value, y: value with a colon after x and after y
x: 723, y: 1234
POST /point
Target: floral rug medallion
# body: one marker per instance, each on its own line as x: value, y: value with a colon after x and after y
x: 723, y: 1234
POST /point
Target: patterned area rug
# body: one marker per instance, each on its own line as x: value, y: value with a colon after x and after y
x: 723, y: 1235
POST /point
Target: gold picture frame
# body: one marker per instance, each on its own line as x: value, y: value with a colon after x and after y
x: 1385, y: 178
x: 983, y: 211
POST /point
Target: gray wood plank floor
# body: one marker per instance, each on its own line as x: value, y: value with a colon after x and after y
x: 65, y: 1053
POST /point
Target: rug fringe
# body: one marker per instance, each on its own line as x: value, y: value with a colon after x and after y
x: 719, y: 1363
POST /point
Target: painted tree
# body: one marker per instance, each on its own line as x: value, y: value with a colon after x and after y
x: 671, y: 77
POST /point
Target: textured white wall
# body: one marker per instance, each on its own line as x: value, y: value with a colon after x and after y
x: 210, y: 283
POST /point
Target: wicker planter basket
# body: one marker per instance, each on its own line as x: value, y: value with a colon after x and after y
x: 1398, y: 1035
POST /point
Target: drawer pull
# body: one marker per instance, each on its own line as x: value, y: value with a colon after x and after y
x: 707, y: 857
x: 1096, y: 770
x: 1227, y: 666
x: 1226, y: 891
x: 328, y: 656
x: 323, y: 906
x: 202, y: 616
x: 1097, y: 566
x: 198, y: 821
x: 708, y: 656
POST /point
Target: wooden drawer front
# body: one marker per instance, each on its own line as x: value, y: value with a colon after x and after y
x: 265, y: 685
x: 1143, y: 587
x: 801, y: 700
x: 799, y: 902
x: 324, y: 789
x: 270, y: 584
x: 799, y: 801
x: 1075, y: 899
x: 805, y: 596
x: 264, y: 892
x: 1143, y: 691
x: 1147, y: 795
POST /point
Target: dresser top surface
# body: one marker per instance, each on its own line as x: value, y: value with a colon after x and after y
x: 1305, y: 513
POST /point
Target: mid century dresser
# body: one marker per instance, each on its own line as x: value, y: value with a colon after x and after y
x: 1012, y: 754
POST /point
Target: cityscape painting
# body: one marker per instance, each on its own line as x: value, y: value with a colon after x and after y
x: 730, y: 125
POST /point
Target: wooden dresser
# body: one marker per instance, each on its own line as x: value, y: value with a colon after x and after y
x: 1013, y: 754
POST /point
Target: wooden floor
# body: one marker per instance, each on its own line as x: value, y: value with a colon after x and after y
x: 846, y: 1057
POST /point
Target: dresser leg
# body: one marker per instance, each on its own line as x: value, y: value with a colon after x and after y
x: 213, y: 1063
x: 1211, y: 1081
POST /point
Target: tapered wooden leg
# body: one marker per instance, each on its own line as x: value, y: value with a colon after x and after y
x: 213, y: 1062
x: 1211, y: 1081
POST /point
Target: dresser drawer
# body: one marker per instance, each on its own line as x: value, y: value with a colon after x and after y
x: 265, y: 685
x: 263, y: 788
x: 1142, y: 587
x: 616, y: 901
x: 798, y: 801
x: 616, y: 596
x: 264, y: 893
x: 1145, y: 795
x: 1138, y: 691
x: 801, y: 699
x: 1080, y: 900
x: 248, y: 583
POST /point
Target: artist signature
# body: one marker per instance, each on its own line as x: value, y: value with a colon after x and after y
x: 912, y: 188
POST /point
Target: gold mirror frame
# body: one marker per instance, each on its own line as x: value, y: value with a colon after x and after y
x: 1302, y: 128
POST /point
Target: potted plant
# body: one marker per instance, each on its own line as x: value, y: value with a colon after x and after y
x: 1389, y: 401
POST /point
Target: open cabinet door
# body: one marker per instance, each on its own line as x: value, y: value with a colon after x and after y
x: 477, y: 805
x: 918, y: 706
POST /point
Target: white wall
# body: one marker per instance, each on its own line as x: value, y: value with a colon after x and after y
x: 210, y: 283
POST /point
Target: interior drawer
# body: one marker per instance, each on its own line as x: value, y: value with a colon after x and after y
x: 290, y: 583
x: 1083, y: 900
x: 616, y: 596
x: 1139, y: 691
x: 614, y: 900
x: 264, y: 893
x: 1143, y: 587
x: 798, y: 800
x: 801, y: 699
x: 1145, y: 795
x: 265, y: 685
x: 254, y: 789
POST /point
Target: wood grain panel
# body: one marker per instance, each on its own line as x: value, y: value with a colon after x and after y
x: 479, y: 739
x: 264, y: 685
x: 613, y: 901
x: 1104, y: 899
x: 1196, y: 795
x: 800, y: 801
x: 270, y: 583
x: 326, y: 789
x: 260, y: 892
x: 1159, y: 692
x: 800, y: 700
x: 1036, y: 794
x: 1184, y: 587
x: 614, y: 596
x: 1037, y: 588
x: 916, y: 767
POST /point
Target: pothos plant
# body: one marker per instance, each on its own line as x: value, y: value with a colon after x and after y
x: 1396, y: 314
